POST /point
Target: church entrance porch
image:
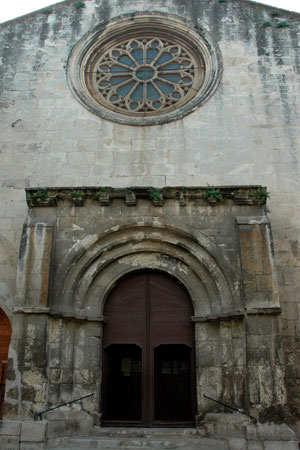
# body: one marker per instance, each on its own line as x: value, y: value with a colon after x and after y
x: 148, y: 353
x: 100, y: 302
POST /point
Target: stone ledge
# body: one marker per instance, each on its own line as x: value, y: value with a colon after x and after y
x: 30, y: 310
x: 232, y: 315
x: 80, y: 318
x: 66, y: 316
x: 264, y: 311
x: 237, y: 315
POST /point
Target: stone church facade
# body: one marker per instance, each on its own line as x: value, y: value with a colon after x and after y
x: 150, y: 212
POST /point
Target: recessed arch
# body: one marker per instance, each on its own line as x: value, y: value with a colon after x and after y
x: 96, y: 263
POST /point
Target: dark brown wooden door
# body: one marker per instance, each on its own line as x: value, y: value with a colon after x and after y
x: 5, y: 333
x: 148, y: 352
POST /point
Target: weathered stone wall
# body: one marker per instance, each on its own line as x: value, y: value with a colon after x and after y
x: 248, y: 132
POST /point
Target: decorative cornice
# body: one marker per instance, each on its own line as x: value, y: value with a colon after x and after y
x: 239, y: 195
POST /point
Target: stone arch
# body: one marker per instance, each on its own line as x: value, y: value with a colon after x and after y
x: 94, y: 265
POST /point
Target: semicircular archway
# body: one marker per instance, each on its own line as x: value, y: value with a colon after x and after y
x: 95, y: 265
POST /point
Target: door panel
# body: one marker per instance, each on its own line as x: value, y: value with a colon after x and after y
x: 125, y: 311
x: 148, y: 322
x: 172, y: 383
x: 170, y: 312
x: 124, y: 383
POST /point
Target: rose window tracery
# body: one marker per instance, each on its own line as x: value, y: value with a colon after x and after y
x: 146, y: 76
x: 144, y: 69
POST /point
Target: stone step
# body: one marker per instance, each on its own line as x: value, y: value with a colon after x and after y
x: 173, y: 443
x: 147, y: 432
x: 200, y: 443
x: 219, y: 432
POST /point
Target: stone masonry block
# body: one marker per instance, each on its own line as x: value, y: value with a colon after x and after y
x: 210, y: 429
x: 142, y: 145
x: 281, y: 445
x: 228, y: 430
x: 61, y: 428
x: 209, y: 444
x: 9, y: 443
x: 258, y: 325
x: 259, y: 355
x: 10, y: 428
x: 228, y: 419
x: 34, y: 431
x: 255, y: 445
x: 237, y: 444
x: 275, y: 432
x: 212, y: 331
x: 207, y: 355
x: 251, y: 431
x: 32, y: 446
x: 265, y: 283
x: 238, y: 352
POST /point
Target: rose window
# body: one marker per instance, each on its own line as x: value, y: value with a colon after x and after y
x: 146, y: 76
x: 144, y: 70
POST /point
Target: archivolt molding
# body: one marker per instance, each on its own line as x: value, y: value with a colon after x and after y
x: 95, y: 264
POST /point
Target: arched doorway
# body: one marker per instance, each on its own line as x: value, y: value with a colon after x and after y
x: 5, y: 333
x: 148, y: 346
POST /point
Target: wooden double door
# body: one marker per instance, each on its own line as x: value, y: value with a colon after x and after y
x: 148, y: 353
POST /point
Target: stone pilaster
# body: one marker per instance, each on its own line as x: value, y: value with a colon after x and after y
x: 267, y: 396
x: 27, y: 370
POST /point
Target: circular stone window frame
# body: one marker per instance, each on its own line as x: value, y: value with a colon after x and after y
x: 133, y: 25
